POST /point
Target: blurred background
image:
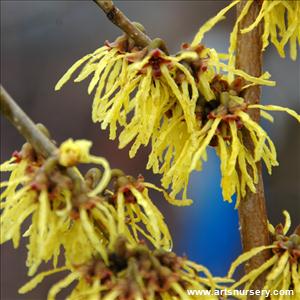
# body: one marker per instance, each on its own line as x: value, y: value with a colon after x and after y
x: 41, y: 39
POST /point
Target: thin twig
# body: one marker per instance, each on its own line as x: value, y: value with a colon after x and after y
x: 120, y: 20
x: 28, y: 129
x: 25, y: 126
x: 252, y: 208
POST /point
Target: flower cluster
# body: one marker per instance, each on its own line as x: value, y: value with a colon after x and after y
x: 82, y: 214
x: 133, y: 273
x: 281, y: 21
x: 139, y: 81
x: 101, y: 221
x: 224, y: 123
x: 283, y: 268
x: 180, y: 105
x: 114, y: 240
x: 36, y: 188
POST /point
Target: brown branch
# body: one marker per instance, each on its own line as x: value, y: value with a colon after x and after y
x: 252, y: 208
x: 120, y: 20
x: 28, y: 129
x: 25, y: 126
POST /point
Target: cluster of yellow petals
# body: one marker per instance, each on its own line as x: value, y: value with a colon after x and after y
x: 157, y: 98
x: 171, y: 103
x: 283, y: 268
x: 230, y: 147
x: 176, y: 153
x: 154, y: 97
x: 132, y: 212
x: 123, y: 88
x: 21, y: 198
x: 133, y: 272
x: 84, y: 222
x: 281, y: 23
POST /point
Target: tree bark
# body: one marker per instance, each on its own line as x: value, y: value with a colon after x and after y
x: 252, y: 208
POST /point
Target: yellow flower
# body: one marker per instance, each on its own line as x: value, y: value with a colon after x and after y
x: 181, y: 105
x: 136, y: 215
x: 135, y: 88
x: 41, y: 189
x: 26, y: 194
x: 154, y: 97
x: 223, y: 124
x: 74, y: 152
x: 82, y: 218
x: 128, y: 209
x: 133, y: 272
x: 283, y: 268
x: 162, y: 83
x: 281, y: 20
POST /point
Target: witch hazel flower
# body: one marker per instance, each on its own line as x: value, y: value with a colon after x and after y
x: 282, y: 268
x: 223, y: 124
x: 281, y: 19
x: 142, y: 82
x: 133, y: 272
x: 42, y: 190
x: 83, y: 215
x: 180, y: 105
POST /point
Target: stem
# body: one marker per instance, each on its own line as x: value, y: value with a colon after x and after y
x: 120, y: 20
x: 25, y: 126
x: 19, y: 119
x: 252, y: 208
